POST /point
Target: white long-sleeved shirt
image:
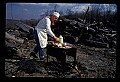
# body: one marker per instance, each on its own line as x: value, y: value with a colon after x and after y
x: 45, y: 24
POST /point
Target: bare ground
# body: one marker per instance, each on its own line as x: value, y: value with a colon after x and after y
x: 91, y: 63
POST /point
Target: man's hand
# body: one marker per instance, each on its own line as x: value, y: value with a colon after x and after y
x: 56, y: 38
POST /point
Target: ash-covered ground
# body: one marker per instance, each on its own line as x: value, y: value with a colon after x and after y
x: 92, y: 62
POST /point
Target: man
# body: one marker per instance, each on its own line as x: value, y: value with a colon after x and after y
x: 40, y: 32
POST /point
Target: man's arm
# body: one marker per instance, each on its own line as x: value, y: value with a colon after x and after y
x: 49, y: 31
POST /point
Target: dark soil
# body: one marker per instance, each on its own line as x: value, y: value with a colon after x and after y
x: 91, y: 62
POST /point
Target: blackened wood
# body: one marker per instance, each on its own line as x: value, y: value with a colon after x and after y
x: 96, y: 43
x: 8, y: 44
x: 9, y: 36
x: 24, y: 27
x: 84, y: 25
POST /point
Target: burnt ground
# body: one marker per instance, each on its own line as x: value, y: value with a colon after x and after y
x: 91, y: 62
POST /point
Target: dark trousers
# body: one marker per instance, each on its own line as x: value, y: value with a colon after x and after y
x: 37, y: 47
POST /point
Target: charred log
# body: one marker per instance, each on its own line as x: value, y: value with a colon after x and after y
x: 8, y: 36
x: 96, y: 43
x: 24, y: 27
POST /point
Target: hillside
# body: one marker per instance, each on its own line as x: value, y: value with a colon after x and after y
x: 92, y: 61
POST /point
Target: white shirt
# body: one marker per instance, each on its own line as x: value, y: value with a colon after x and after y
x: 43, y: 28
x: 45, y: 24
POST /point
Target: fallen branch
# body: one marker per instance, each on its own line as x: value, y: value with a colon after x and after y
x: 8, y: 36
x: 96, y: 43
x: 24, y: 27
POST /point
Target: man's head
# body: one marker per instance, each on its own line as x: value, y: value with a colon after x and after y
x: 55, y: 16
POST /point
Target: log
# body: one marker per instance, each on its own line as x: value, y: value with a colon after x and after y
x: 96, y: 43
x: 104, y: 30
x: 111, y: 35
x: 12, y: 37
x: 91, y: 30
x: 8, y: 44
x: 24, y: 27
x: 83, y: 26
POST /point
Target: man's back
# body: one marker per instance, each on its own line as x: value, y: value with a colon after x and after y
x: 43, y: 23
